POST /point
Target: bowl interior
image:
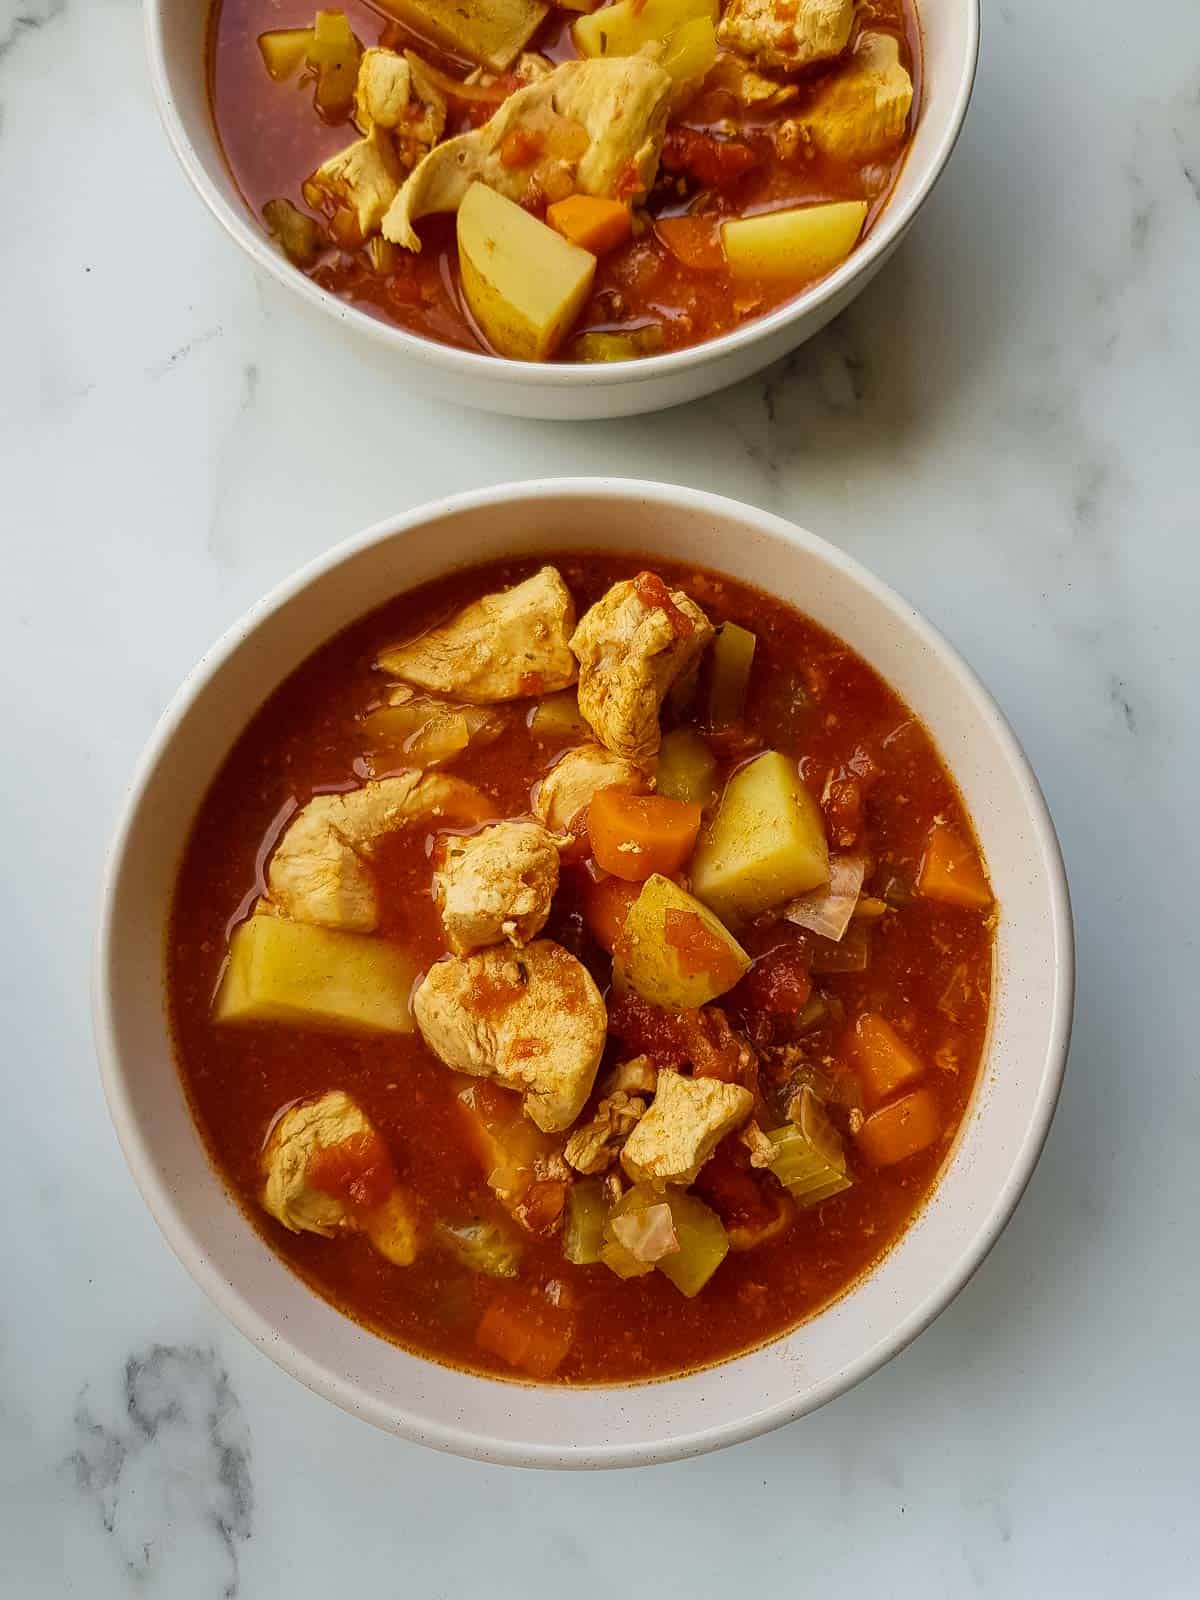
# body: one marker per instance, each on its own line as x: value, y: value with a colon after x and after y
x: 176, y: 33
x: 1000, y: 1138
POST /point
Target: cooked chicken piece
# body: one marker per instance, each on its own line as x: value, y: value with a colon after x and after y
x: 503, y: 647
x: 595, y: 1145
x: 860, y: 110
x: 572, y: 781
x: 751, y: 89
x: 630, y: 652
x: 363, y: 179
x: 496, y: 885
x: 320, y: 871
x: 396, y: 92
x: 639, y: 1076
x: 530, y: 1019
x: 307, y: 1130
x: 786, y: 33
x: 588, y: 126
x: 689, y: 1118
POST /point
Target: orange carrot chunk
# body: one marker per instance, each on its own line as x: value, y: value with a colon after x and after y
x: 591, y: 222
x: 885, y: 1063
x: 633, y: 836
x: 605, y: 907
x: 951, y: 870
x: 530, y: 1335
x: 899, y: 1130
x: 694, y: 241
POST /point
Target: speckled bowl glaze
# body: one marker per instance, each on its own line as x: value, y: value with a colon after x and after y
x: 175, y: 40
x: 985, y: 1173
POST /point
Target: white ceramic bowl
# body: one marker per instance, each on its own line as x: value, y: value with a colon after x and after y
x: 175, y: 34
x: 998, y: 1144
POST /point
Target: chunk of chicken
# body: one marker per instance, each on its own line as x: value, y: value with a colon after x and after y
x: 595, y: 127
x: 568, y: 787
x: 320, y: 871
x: 503, y: 647
x: 363, y: 180
x: 396, y: 92
x: 860, y: 110
x: 595, y: 1145
x: 788, y: 34
x: 307, y: 1131
x: 496, y: 885
x: 638, y: 1076
x: 630, y: 652
x: 751, y: 89
x: 532, y: 1020
x: 689, y: 1118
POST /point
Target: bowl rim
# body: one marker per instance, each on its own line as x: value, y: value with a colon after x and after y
x: 463, y: 1438
x: 241, y: 226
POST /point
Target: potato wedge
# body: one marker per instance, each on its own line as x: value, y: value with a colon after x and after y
x: 491, y: 32
x: 802, y: 243
x: 766, y: 843
x: 282, y: 971
x: 672, y: 950
x: 524, y: 283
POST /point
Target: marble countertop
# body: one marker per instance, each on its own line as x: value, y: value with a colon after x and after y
x: 1007, y: 427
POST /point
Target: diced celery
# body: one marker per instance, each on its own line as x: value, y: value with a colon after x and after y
x: 732, y: 658
x: 483, y: 1245
x: 703, y: 1243
x: 284, y: 50
x: 686, y: 768
x: 291, y: 972
x: 383, y: 255
x: 615, y: 346
x: 557, y: 716
x: 583, y: 1229
x: 623, y: 1262
x: 809, y: 1159
x: 301, y: 236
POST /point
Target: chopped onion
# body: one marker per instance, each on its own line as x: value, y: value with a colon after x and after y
x: 648, y: 1235
x: 828, y: 910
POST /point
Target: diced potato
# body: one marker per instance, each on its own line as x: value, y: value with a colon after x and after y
x: 524, y: 283
x: 691, y: 50
x: 392, y: 1228
x: 427, y: 732
x: 703, y: 1243
x: 281, y: 971
x: 687, y: 768
x: 557, y: 716
x: 284, y: 50
x: 301, y: 236
x: 622, y: 29
x: 583, y: 1228
x: 732, y: 659
x: 766, y: 843
x: 491, y: 32
x: 801, y: 243
x: 613, y: 346
x: 335, y: 53
x: 672, y: 950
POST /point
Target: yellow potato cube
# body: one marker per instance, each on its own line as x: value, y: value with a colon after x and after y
x: 802, y: 243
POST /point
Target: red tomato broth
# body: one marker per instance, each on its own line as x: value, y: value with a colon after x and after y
x: 306, y: 739
x: 273, y: 138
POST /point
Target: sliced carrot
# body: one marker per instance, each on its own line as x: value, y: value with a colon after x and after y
x: 531, y: 1335
x: 694, y: 241
x: 951, y: 870
x: 636, y: 835
x: 605, y: 907
x: 591, y: 222
x: 900, y: 1129
x: 884, y: 1061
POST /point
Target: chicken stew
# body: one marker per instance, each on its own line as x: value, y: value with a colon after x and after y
x: 564, y: 180
x: 579, y: 970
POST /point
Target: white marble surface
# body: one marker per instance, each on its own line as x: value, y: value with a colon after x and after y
x: 1007, y: 427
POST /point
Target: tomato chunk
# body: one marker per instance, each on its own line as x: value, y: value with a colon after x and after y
x: 606, y: 904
